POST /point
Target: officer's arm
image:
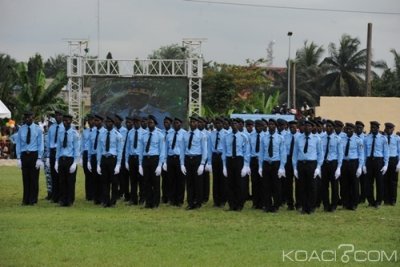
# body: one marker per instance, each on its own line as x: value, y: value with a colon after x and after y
x: 283, y: 156
x: 339, y: 152
x: 40, y: 143
x: 76, y: 147
x: 162, y: 150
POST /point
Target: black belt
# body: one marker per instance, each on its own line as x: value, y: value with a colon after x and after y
x: 150, y: 156
x: 134, y: 156
x: 109, y: 156
x: 374, y: 158
x: 349, y: 160
x: 330, y: 161
x: 236, y: 157
x: 28, y: 152
x: 192, y: 156
x: 173, y: 156
x: 306, y: 161
x: 217, y: 153
x: 271, y: 162
x: 65, y: 158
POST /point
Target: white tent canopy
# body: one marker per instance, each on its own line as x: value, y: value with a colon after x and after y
x: 4, y: 111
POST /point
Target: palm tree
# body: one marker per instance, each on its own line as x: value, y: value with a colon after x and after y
x: 7, y: 81
x: 388, y: 84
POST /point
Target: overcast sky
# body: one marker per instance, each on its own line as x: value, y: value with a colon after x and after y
x: 134, y: 28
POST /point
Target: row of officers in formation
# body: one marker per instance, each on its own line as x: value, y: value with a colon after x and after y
x: 301, y: 164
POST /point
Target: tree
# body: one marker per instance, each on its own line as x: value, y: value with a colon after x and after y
x: 8, y: 81
x: 173, y: 51
x: 388, y: 85
x: 55, y: 65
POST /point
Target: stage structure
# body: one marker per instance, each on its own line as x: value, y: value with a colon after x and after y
x: 80, y: 66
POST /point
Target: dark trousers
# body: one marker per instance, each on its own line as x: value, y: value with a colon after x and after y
x: 362, y: 179
x: 109, y: 180
x: 194, y: 182
x: 287, y: 191
x: 256, y: 185
x: 206, y: 186
x: 176, y: 181
x: 307, y: 184
x: 55, y: 187
x: 390, y: 182
x: 123, y: 180
x: 328, y: 170
x: 219, y: 181
x: 374, y: 166
x: 136, y: 181
x: 97, y: 184
x: 165, y: 186
x: 89, y: 186
x: 30, y: 178
x: 236, y: 184
x: 271, y: 186
x: 67, y: 181
x: 349, y: 184
x: 151, y: 181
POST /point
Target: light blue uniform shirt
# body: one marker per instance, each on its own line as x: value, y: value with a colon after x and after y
x: 157, y: 145
x: 130, y: 149
x: 381, y: 148
x: 52, y: 133
x: 314, y: 151
x: 278, y: 149
x: 199, y: 144
x: 394, y: 146
x: 212, y: 139
x: 356, y: 149
x: 242, y: 147
x: 335, y: 151
x: 72, y: 149
x: 115, y: 145
x: 123, y: 131
x: 36, y: 143
x: 85, y: 141
x: 253, y: 142
x: 92, y: 139
x: 288, y: 140
x: 179, y: 149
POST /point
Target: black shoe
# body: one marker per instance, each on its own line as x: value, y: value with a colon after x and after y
x: 290, y: 207
x: 327, y: 209
x: 190, y: 207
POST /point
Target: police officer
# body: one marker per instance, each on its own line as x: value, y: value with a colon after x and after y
x: 123, y: 176
x: 67, y: 158
x: 288, y: 180
x: 29, y: 154
x: 256, y: 180
x: 331, y: 168
x: 235, y: 158
x: 377, y: 161
x: 206, y: 174
x: 391, y: 176
x: 359, y: 131
x: 109, y: 156
x: 85, y: 143
x: 307, y: 160
x: 166, y: 184
x: 153, y: 146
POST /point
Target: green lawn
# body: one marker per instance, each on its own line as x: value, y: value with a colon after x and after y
x: 88, y: 235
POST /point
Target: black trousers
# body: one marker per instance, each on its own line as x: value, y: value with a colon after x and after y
x: 349, y: 184
x: 89, y: 183
x: 151, y: 181
x: 97, y: 181
x: 219, y: 180
x: 271, y: 186
x: 165, y: 186
x: 307, y: 184
x: 55, y: 187
x: 362, y: 179
x: 136, y: 181
x: 206, y: 186
x: 67, y: 181
x: 30, y: 178
x: 287, y: 191
x: 176, y: 181
x: 236, y: 184
x: 390, y: 182
x: 194, y: 182
x: 123, y: 180
x: 109, y: 180
x: 256, y: 185
x: 328, y: 170
x: 374, y: 166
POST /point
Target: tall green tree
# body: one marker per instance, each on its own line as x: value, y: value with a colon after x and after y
x: 388, y: 85
x: 54, y: 65
x: 8, y: 78
x: 173, y: 51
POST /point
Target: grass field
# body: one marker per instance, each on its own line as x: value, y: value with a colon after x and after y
x: 87, y: 235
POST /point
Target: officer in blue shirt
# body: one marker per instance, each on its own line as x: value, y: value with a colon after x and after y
x: 287, y: 191
x: 133, y: 152
x: 272, y: 160
x: 67, y: 158
x: 109, y: 156
x: 255, y: 147
x: 377, y: 161
x: 236, y: 159
x: 165, y: 183
x: 307, y: 161
x: 359, y: 131
x: 175, y: 154
x: 206, y: 174
x: 85, y: 142
x: 391, y: 176
x: 29, y: 155
x: 123, y: 176
x: 330, y: 171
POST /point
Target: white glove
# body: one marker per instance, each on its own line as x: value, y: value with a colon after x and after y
x: 364, y: 170
x: 281, y: 173
x: 19, y: 164
x: 98, y: 169
x: 89, y: 166
x: 117, y: 169
x: 200, y: 170
x: 296, y: 173
x: 39, y: 163
x: 359, y: 172
x: 164, y: 167
x: 384, y: 169
x: 244, y: 171
x: 208, y: 168
x: 81, y: 161
x: 183, y: 169
x: 47, y: 162
x: 127, y: 165
x: 337, y: 173
x: 317, y: 172
x: 260, y: 172
x: 72, y: 168
x: 141, y: 170
x: 56, y: 166
x: 158, y: 171
x: 248, y: 170
x: 398, y: 167
x: 225, y: 172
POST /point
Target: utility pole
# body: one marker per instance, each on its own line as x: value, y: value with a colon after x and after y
x: 369, y: 55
